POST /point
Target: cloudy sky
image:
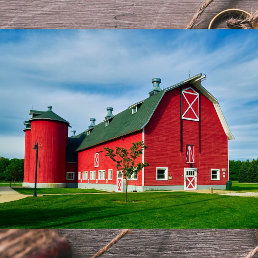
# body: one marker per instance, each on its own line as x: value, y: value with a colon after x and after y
x: 81, y: 72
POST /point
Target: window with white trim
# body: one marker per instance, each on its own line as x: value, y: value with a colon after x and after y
x: 85, y: 175
x: 110, y: 174
x: 189, y: 153
x: 134, y: 109
x: 70, y: 175
x: 162, y: 173
x: 101, y: 175
x: 88, y: 132
x: 134, y: 176
x: 79, y: 175
x: 96, y: 159
x: 215, y: 174
x: 106, y: 122
x: 92, y: 175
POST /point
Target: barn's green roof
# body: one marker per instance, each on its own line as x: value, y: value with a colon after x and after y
x: 126, y: 122
x: 49, y: 115
x: 122, y: 123
x: 72, y: 144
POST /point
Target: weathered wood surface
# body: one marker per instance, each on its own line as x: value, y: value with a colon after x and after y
x: 140, y: 14
x: 163, y: 242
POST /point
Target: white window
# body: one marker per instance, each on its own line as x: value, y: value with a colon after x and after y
x: 133, y: 176
x: 110, y: 174
x: 79, y: 175
x: 215, y: 174
x: 70, y: 175
x: 92, y: 175
x: 85, y: 175
x: 101, y: 175
x: 88, y: 132
x: 162, y: 173
x: 134, y: 109
x: 189, y: 154
x: 96, y: 159
x: 106, y: 122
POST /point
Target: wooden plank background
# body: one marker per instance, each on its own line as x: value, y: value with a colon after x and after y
x: 122, y: 14
x: 163, y: 242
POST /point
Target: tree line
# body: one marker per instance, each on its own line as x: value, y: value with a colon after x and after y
x: 11, y: 170
x: 244, y: 171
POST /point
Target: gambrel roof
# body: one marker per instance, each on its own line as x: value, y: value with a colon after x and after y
x: 125, y: 122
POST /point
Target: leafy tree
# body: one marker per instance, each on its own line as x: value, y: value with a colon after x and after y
x: 126, y: 160
x: 4, y: 162
x: 15, y: 170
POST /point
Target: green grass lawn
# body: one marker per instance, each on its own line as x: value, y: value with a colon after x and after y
x: 246, y: 187
x: 145, y: 210
x: 30, y: 191
x: 8, y: 184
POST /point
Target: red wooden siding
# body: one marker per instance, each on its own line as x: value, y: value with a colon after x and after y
x: 86, y: 159
x: 27, y: 155
x: 162, y: 136
x: 72, y: 167
x: 52, y: 139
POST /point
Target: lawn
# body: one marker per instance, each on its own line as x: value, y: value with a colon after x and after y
x: 244, y: 187
x: 145, y: 210
x: 8, y: 184
x: 30, y: 191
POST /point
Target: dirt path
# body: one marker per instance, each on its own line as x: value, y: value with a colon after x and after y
x: 7, y: 194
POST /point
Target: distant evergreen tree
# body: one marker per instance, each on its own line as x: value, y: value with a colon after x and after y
x: 234, y: 169
x: 252, y: 172
x: 243, y: 172
x: 256, y: 174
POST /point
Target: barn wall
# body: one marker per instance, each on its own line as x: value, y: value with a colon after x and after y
x: 162, y: 137
x: 27, y: 155
x: 52, y: 139
x: 72, y: 167
x: 86, y: 160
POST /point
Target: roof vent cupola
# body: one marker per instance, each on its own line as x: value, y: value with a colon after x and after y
x: 156, y: 82
x: 49, y: 108
x: 73, y: 132
x: 92, y: 123
x: 109, y: 113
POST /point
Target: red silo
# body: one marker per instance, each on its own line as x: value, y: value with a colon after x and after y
x: 50, y: 131
x: 27, y: 131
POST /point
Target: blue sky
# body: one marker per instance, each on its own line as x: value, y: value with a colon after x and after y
x: 81, y: 72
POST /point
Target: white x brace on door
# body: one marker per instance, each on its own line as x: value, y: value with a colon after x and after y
x: 190, y: 178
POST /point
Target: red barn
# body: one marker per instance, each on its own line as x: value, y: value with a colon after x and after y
x: 182, y: 126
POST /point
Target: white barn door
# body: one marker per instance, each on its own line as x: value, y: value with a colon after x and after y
x: 190, y: 176
x: 119, y: 182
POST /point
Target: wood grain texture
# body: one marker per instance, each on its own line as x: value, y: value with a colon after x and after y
x: 163, y: 243
x: 122, y: 14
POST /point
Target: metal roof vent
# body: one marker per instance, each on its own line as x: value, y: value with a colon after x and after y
x: 92, y: 120
x: 109, y: 113
x: 73, y: 132
x: 156, y: 82
x: 49, y: 108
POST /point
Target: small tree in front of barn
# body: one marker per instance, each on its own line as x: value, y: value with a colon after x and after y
x: 126, y: 160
